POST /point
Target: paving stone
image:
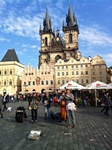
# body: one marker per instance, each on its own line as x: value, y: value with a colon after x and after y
x: 93, y: 131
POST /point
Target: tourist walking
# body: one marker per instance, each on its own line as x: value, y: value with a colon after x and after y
x: 5, y: 102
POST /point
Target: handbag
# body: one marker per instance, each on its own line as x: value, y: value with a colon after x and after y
x: 71, y: 106
x: 46, y: 102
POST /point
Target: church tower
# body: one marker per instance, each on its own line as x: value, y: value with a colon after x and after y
x: 46, y: 36
x: 71, y: 32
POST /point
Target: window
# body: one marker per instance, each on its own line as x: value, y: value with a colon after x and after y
x: 5, y: 72
x: 24, y: 83
x: 42, y: 82
x: 86, y: 65
x: 63, y: 82
x: 81, y: 66
x: 62, y: 73
x: 77, y: 81
x: 72, y: 73
x: 93, y: 66
x: 93, y: 73
x: 66, y: 73
x: 10, y: 71
x: 101, y: 80
x: 58, y: 67
x: 70, y: 38
x: 10, y: 82
x: 76, y: 66
x: 46, y: 82
x: 51, y: 81
x: 73, y: 80
x: 87, y: 81
x: 100, y: 66
x: 0, y: 73
x: 86, y: 72
x: 81, y: 72
x: 4, y: 82
x: 67, y: 67
x: 58, y: 81
x: 45, y: 41
x: 72, y: 66
x: 82, y: 81
x: 76, y: 72
x: 67, y: 81
x: 33, y: 82
x: 62, y: 67
x: 100, y: 73
x: 29, y: 82
x: 58, y: 73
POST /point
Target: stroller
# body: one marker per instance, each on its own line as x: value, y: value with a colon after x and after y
x: 21, y: 115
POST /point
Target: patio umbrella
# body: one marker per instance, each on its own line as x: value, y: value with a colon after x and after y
x: 97, y: 85
x: 110, y: 86
x: 72, y: 85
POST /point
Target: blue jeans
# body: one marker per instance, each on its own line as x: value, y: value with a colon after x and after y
x: 46, y: 110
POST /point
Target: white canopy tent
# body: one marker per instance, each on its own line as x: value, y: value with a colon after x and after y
x: 72, y: 85
x: 97, y: 85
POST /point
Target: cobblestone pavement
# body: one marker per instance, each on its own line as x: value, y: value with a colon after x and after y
x: 93, y: 131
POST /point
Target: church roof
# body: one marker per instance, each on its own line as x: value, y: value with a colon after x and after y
x: 10, y: 56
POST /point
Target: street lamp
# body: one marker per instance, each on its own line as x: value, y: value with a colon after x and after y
x: 25, y: 87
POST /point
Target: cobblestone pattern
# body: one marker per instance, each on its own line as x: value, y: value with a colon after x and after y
x: 93, y: 131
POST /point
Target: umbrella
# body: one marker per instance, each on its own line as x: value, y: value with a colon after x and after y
x: 110, y: 86
x: 72, y: 85
x: 97, y: 85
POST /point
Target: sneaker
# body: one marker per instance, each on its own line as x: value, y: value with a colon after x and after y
x: 32, y: 121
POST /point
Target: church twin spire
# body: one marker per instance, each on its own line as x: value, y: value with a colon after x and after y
x: 70, y: 20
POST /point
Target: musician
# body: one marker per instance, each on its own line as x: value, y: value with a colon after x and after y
x: 47, y: 104
x: 69, y: 98
x: 34, y: 105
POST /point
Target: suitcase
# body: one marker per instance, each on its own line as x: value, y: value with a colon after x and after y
x: 19, y: 117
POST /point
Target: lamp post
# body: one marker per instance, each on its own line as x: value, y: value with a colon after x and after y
x: 25, y: 87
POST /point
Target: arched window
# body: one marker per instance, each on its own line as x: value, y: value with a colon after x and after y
x: 10, y: 71
x: 45, y: 41
x: 5, y: 82
x: 10, y: 82
x: 70, y: 38
x: 5, y: 72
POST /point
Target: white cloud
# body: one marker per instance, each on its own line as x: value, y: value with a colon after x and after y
x: 4, y: 39
x: 94, y: 36
x: 108, y: 58
x: 33, y: 46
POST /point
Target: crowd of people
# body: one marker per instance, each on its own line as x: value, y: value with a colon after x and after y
x: 64, y: 99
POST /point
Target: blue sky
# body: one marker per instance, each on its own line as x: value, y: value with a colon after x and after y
x: 20, y: 22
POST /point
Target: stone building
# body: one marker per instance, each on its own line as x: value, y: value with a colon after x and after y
x: 37, y: 79
x: 10, y: 73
